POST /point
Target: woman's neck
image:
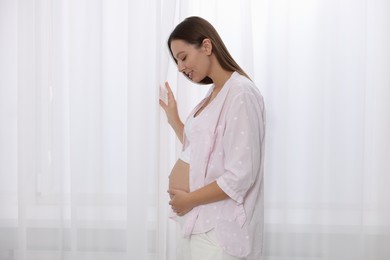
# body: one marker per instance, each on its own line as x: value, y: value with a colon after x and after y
x: 219, y: 78
x: 218, y: 74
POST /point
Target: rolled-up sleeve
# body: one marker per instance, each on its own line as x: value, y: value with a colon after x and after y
x: 242, y: 145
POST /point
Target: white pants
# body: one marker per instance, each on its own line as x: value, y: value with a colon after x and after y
x: 201, y: 247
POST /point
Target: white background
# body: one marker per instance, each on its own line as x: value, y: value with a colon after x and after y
x: 85, y: 150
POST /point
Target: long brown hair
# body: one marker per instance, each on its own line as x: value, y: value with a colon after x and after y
x: 194, y: 30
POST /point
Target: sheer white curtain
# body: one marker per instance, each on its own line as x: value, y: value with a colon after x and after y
x: 324, y: 70
x: 85, y: 151
x: 79, y: 124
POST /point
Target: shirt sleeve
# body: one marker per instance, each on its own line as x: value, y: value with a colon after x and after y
x: 242, y: 141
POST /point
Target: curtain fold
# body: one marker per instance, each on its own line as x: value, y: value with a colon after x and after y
x: 85, y: 150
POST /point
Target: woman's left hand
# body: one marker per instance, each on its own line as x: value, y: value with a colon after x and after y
x: 180, y: 202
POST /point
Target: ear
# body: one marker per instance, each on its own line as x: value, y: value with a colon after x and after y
x: 207, y: 46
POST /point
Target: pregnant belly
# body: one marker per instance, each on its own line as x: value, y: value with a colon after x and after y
x: 179, y: 177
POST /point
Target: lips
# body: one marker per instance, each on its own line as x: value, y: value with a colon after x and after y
x: 189, y: 74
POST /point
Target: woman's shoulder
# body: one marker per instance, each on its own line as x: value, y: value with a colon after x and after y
x: 240, y: 84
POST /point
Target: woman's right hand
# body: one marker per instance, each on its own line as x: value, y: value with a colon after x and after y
x: 171, y: 108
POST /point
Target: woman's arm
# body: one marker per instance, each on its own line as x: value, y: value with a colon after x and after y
x: 172, y: 113
x: 182, y: 202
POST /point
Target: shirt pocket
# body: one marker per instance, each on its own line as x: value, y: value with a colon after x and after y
x: 234, y: 239
x: 231, y: 211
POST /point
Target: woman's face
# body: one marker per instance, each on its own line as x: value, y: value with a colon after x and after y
x: 192, y: 61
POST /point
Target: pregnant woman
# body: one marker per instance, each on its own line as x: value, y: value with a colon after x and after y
x: 216, y: 186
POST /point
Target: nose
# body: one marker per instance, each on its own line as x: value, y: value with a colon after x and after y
x: 180, y: 65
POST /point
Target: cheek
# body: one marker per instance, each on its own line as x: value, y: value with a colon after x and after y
x: 204, y: 64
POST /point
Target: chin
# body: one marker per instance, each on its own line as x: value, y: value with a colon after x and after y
x: 196, y: 81
x: 204, y: 81
x: 193, y: 80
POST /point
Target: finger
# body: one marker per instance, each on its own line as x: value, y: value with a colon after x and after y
x: 162, y: 104
x: 169, y: 90
x: 168, y: 87
x: 172, y: 192
x: 164, y: 95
